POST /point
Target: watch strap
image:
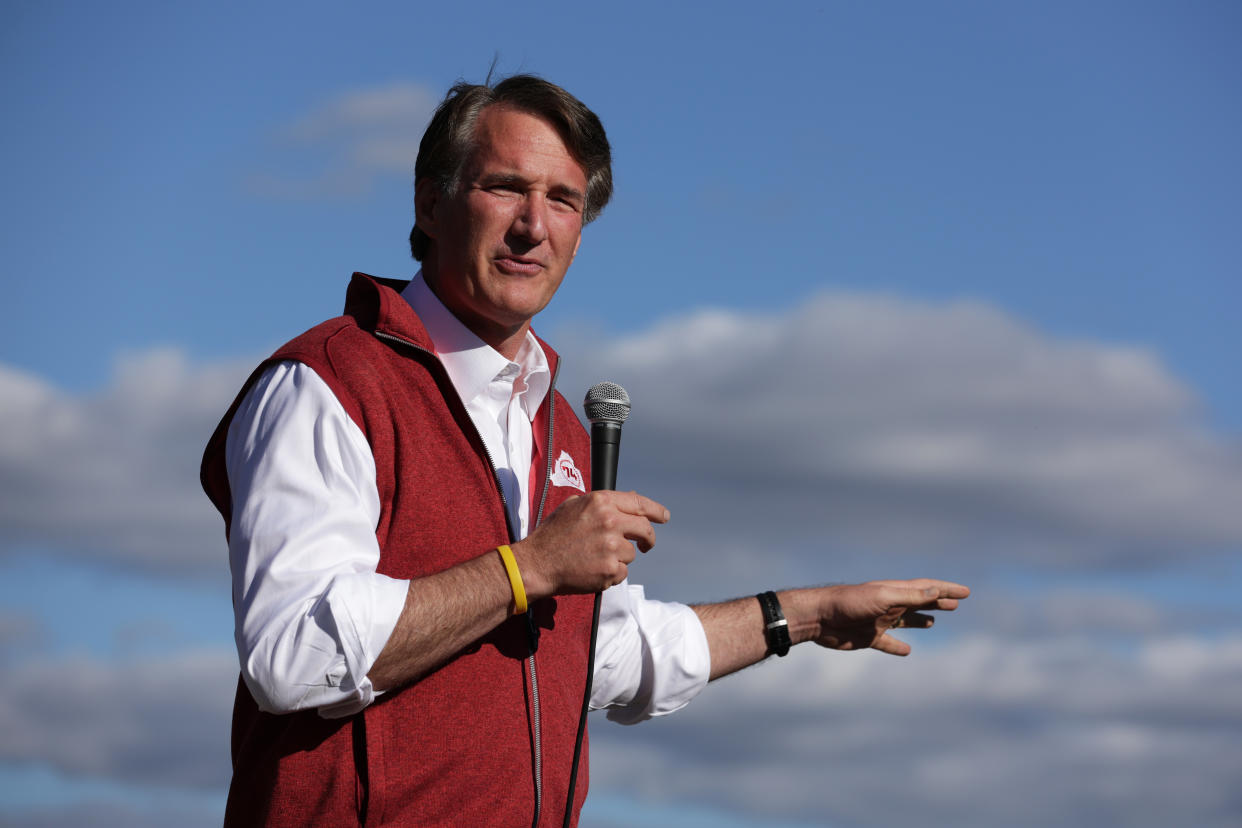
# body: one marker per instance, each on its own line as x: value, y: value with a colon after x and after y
x: 775, y: 627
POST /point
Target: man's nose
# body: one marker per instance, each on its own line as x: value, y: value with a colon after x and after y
x: 531, y: 222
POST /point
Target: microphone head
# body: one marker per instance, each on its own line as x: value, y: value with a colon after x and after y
x: 607, y: 402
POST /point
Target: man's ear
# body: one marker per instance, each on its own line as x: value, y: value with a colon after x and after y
x: 427, y: 197
x: 577, y: 244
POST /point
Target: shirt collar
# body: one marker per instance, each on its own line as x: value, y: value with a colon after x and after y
x: 471, y: 363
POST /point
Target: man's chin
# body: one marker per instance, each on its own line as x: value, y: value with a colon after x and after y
x: 521, y: 300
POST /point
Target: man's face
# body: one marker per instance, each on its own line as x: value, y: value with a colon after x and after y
x: 502, y: 243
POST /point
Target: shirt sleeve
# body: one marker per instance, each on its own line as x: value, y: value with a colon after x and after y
x: 651, y: 657
x: 311, y: 613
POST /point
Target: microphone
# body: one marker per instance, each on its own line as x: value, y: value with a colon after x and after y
x: 607, y: 407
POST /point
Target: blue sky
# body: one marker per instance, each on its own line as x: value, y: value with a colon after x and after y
x: 943, y: 289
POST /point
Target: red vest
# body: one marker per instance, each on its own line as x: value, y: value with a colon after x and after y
x: 455, y: 748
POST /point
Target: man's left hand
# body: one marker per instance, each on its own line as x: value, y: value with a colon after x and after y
x: 860, y: 616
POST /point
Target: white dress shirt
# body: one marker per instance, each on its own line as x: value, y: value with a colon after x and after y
x: 312, y: 614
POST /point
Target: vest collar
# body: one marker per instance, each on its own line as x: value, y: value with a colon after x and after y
x: 377, y: 305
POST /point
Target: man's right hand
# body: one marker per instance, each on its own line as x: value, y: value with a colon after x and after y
x: 587, y: 544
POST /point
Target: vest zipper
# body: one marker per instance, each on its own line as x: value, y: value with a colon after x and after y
x: 532, y: 632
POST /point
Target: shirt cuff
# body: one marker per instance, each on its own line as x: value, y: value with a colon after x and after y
x: 652, y: 656
x: 363, y: 608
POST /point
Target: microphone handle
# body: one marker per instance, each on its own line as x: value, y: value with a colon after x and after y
x: 605, y: 447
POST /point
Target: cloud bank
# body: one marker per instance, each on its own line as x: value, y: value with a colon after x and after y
x: 848, y: 435
x: 857, y: 421
x: 953, y: 432
x: 980, y: 733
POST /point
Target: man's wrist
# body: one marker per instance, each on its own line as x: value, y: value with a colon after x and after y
x: 515, y: 578
x: 536, y: 584
x: 802, y: 609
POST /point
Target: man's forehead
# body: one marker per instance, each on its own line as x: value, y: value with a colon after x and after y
x: 514, y: 137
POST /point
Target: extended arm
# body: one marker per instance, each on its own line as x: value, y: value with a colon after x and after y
x: 317, y: 627
x: 841, y: 617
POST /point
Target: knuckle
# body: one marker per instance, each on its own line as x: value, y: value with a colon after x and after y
x: 616, y: 573
x: 599, y: 503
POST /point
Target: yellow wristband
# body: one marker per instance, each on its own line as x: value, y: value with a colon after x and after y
x: 515, y: 577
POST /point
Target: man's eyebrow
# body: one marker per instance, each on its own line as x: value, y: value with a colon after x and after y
x: 565, y: 191
x: 492, y: 179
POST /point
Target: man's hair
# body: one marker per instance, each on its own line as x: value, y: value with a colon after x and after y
x: 450, y: 137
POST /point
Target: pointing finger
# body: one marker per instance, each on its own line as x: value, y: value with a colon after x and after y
x: 635, y: 504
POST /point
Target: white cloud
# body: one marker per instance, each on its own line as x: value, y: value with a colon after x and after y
x: 343, y: 144
x: 864, y: 421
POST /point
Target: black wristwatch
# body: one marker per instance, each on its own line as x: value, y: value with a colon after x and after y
x: 775, y: 627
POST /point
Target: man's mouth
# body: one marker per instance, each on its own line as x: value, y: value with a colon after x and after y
x: 518, y: 265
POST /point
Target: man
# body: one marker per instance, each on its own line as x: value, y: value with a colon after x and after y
x: 412, y: 545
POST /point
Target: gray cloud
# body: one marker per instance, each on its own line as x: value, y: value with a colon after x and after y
x: 1077, y: 610
x: 156, y: 722
x: 1060, y: 729
x: 115, y: 474
x: 19, y: 632
x: 107, y: 814
x: 978, y: 733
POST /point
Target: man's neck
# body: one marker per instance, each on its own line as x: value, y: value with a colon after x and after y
x: 505, y: 339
